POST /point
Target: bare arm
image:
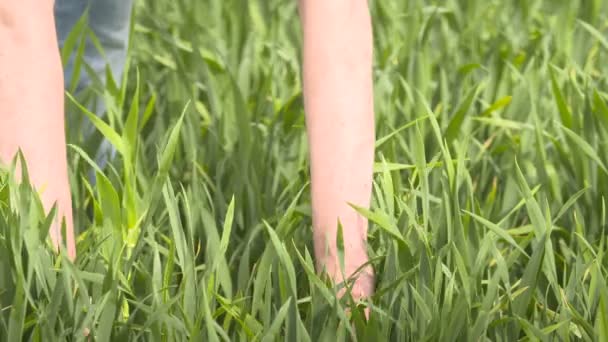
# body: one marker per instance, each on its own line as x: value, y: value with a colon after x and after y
x: 31, y: 103
x: 340, y: 121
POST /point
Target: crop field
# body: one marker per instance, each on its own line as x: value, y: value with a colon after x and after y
x: 488, y: 219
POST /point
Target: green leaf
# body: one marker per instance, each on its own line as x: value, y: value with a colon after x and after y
x: 388, y: 137
x: 272, y: 334
x: 595, y: 33
x: 562, y: 106
x: 455, y: 124
x: 530, y: 279
x: 168, y: 153
x: 17, y: 313
x: 107, y: 131
x: 383, y: 221
x: 502, y: 233
x: 283, y: 257
x: 585, y: 148
x: 499, y: 104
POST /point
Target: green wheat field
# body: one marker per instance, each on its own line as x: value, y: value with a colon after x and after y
x: 488, y: 220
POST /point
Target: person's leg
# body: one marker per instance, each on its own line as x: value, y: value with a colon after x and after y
x: 109, y: 20
x: 31, y: 104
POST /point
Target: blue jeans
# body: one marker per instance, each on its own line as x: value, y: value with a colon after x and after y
x: 109, y: 20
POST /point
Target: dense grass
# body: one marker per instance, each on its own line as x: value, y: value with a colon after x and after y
x: 489, y: 209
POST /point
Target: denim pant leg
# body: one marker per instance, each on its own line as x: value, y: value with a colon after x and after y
x: 109, y: 20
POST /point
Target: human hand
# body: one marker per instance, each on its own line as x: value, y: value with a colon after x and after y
x: 354, y: 276
x: 64, y: 215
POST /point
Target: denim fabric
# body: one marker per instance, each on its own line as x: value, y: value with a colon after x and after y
x: 109, y: 20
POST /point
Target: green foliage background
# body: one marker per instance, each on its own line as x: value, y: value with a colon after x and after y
x: 488, y: 220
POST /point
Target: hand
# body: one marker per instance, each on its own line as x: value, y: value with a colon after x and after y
x: 361, y: 283
x: 64, y: 213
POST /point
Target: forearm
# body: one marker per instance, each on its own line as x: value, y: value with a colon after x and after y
x: 340, y: 120
x: 31, y: 100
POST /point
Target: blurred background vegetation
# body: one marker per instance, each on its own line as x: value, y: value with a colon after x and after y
x: 488, y: 218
